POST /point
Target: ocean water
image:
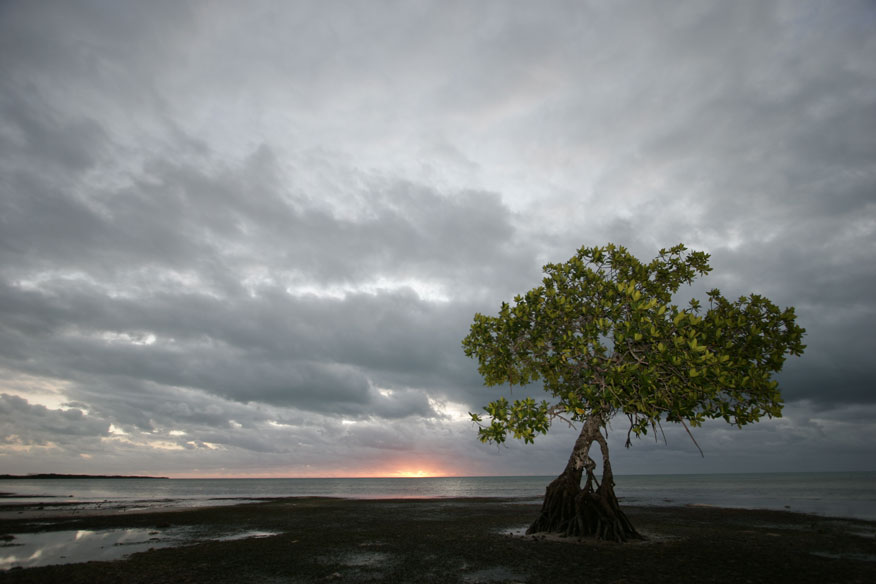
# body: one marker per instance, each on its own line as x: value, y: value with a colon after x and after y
x: 834, y: 494
x: 830, y: 494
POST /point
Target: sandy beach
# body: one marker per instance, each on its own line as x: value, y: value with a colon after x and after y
x: 300, y: 540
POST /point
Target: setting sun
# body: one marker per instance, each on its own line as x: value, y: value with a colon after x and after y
x: 416, y: 474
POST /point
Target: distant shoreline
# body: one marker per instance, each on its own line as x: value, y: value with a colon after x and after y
x: 43, y: 476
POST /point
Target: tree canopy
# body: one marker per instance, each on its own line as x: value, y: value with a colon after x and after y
x: 603, y: 336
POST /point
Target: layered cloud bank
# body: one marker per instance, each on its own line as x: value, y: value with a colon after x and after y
x: 248, y: 239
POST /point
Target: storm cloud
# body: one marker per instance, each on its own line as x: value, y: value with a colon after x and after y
x: 247, y: 239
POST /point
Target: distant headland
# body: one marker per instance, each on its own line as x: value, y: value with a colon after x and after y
x: 72, y: 476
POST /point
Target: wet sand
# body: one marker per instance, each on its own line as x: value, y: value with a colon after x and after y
x: 457, y: 540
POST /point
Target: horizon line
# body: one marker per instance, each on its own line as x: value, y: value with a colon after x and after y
x: 171, y: 476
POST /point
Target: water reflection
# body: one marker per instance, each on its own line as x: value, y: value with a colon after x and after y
x: 28, y: 550
x: 63, y: 547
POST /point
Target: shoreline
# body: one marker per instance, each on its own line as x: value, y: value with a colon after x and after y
x: 55, y: 506
x: 467, y: 540
x: 838, y: 494
x: 51, y: 476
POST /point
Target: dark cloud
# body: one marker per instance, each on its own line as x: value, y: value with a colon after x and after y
x: 153, y: 286
x: 28, y: 424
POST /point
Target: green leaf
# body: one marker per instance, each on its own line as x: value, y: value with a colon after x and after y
x: 715, y: 362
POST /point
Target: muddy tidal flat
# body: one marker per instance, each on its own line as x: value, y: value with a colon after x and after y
x: 301, y: 540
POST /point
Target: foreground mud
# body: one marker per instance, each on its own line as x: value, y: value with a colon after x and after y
x: 466, y: 541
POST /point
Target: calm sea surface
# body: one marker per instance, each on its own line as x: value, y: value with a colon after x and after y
x: 832, y: 494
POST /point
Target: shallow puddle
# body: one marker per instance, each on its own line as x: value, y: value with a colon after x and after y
x: 513, y: 531
x: 245, y: 535
x: 489, y: 575
x: 66, y: 547
x: 28, y: 550
x: 364, y: 559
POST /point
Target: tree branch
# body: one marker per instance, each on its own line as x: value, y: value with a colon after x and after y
x: 692, y: 438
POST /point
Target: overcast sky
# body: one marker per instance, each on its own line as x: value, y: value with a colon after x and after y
x: 247, y: 238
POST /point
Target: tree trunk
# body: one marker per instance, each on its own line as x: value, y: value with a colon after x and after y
x: 588, y: 511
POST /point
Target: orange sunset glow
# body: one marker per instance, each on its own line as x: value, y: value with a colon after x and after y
x: 415, y: 467
x: 392, y: 469
x: 417, y: 474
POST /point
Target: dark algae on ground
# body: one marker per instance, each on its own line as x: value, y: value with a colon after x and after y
x: 467, y: 541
